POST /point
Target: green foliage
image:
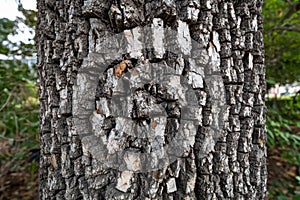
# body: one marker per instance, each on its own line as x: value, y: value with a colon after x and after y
x: 30, y: 17
x: 26, y: 48
x: 10, y: 28
x: 283, y: 127
x: 18, y: 95
x: 18, y: 102
x: 283, y: 114
x: 7, y: 27
x: 283, y: 117
x: 18, y: 109
x: 282, y: 40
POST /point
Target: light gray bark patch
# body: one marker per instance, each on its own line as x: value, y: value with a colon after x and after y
x: 138, y: 76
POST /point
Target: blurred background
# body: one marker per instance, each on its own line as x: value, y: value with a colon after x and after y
x: 19, y: 102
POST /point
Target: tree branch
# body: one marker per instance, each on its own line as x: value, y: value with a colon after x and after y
x: 294, y: 7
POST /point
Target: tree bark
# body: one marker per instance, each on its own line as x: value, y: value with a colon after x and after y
x: 151, y: 99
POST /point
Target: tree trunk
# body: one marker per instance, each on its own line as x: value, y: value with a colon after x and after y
x: 151, y: 99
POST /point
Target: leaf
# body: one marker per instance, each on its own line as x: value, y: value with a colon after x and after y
x: 296, y: 197
x: 282, y: 41
x: 270, y: 81
x: 281, y: 197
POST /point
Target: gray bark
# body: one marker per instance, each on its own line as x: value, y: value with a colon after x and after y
x: 202, y: 106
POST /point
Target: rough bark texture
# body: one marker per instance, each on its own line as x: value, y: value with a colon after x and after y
x: 229, y: 40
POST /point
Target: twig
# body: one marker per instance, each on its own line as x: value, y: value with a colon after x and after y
x: 8, y: 99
